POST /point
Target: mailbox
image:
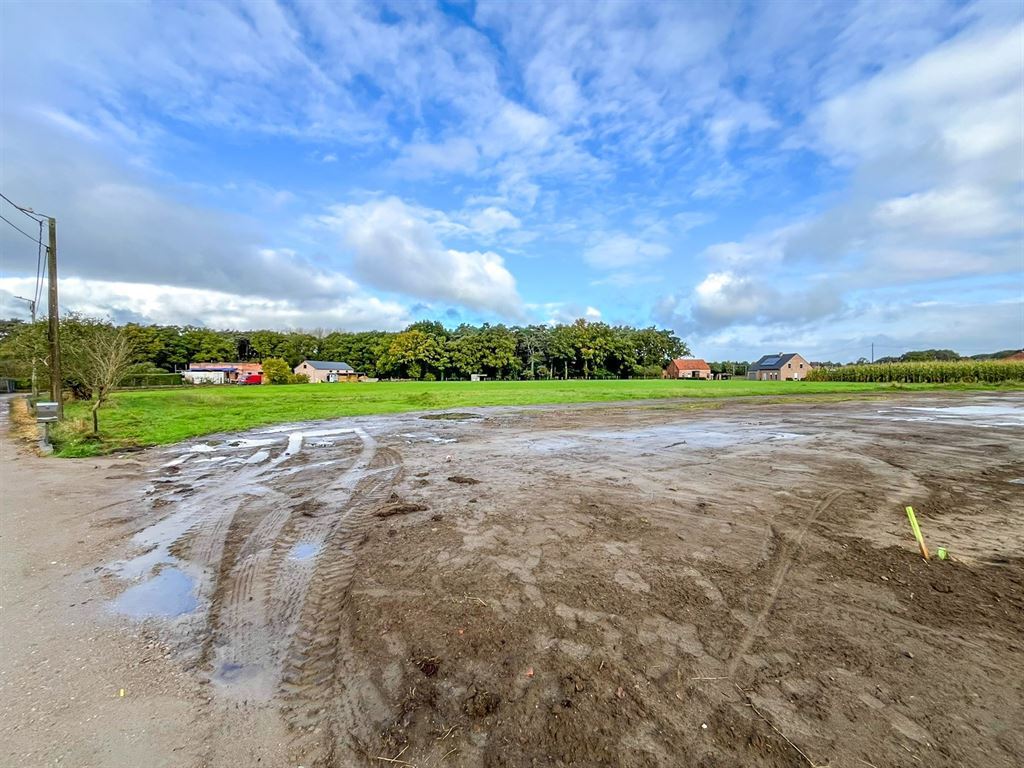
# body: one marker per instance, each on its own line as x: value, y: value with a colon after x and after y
x: 46, y: 412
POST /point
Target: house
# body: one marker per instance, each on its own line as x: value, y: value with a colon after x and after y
x: 326, y: 371
x: 781, y: 367
x: 686, y: 368
x: 232, y: 373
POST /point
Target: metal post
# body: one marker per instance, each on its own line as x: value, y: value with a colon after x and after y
x: 54, y: 327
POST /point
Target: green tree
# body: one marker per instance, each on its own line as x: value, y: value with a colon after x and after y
x: 276, y: 371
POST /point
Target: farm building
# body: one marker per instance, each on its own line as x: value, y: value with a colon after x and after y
x: 326, y: 371
x: 687, y: 368
x: 781, y: 367
x: 203, y: 377
x: 231, y: 373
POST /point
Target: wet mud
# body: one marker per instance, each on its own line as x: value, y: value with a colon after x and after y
x: 615, y: 585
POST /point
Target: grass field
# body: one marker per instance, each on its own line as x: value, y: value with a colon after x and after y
x: 159, y: 417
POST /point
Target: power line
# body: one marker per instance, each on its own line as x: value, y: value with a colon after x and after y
x: 26, y: 234
x: 39, y: 267
x: 39, y: 219
x: 31, y: 214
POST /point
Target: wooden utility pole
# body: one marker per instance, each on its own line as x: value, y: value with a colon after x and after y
x: 54, y: 330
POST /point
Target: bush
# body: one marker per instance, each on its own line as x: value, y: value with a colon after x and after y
x: 298, y: 378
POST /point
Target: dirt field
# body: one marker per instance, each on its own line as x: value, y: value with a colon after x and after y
x: 653, y: 584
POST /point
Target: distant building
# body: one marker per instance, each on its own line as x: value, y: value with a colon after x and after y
x: 231, y: 373
x: 687, y: 368
x: 203, y: 377
x: 326, y: 371
x: 781, y: 367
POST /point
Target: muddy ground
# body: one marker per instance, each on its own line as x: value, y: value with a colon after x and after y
x: 655, y: 584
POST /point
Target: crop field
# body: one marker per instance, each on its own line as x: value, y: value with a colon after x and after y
x: 934, y: 372
x: 153, y: 417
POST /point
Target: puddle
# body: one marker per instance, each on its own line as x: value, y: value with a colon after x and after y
x: 413, y: 438
x: 168, y: 594
x: 454, y: 416
x: 1018, y: 481
x: 303, y: 551
x: 979, y: 415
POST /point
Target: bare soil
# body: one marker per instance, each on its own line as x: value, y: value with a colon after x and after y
x: 651, y: 584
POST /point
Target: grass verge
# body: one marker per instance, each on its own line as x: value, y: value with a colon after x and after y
x: 158, y: 417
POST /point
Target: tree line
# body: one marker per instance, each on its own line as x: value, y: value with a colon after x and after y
x: 425, y: 350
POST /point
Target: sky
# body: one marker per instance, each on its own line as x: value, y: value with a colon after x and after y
x: 757, y: 176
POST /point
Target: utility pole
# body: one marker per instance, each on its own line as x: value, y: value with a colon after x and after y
x: 35, y: 385
x: 54, y: 329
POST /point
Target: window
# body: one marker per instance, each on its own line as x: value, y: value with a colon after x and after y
x: 801, y: 365
x: 789, y: 365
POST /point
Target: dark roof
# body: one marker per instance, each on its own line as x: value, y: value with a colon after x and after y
x: 772, y: 362
x: 328, y: 365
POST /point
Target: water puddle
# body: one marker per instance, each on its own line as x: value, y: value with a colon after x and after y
x: 979, y: 415
x: 1018, y: 481
x: 168, y: 594
x: 303, y: 551
x: 453, y: 416
x: 414, y: 438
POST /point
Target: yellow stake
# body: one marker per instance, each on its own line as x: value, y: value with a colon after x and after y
x: 917, y: 533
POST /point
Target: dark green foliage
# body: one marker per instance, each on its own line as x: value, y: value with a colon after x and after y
x: 424, y: 350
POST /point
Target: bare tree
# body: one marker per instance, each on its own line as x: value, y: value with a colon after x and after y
x: 100, y: 358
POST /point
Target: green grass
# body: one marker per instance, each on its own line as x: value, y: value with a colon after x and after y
x: 158, y: 417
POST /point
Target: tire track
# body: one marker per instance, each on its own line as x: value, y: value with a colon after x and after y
x: 312, y: 675
x: 249, y: 630
x: 787, y: 553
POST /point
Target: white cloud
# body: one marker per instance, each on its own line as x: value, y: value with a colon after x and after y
x: 492, y: 220
x: 959, y: 106
x: 564, y: 312
x: 395, y: 247
x: 454, y: 155
x: 958, y: 212
x: 164, y: 304
x: 728, y: 298
x: 619, y: 250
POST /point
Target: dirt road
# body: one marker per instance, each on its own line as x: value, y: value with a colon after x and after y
x: 631, y: 585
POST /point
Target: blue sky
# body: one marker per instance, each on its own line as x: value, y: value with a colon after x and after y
x: 758, y: 176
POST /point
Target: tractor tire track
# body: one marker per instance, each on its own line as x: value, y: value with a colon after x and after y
x: 313, y: 669
x: 269, y: 587
x: 787, y: 554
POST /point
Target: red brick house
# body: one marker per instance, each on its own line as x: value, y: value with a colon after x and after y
x: 687, y: 368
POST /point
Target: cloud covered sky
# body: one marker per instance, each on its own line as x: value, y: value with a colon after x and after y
x: 758, y: 176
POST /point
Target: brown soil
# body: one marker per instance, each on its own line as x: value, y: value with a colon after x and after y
x: 629, y: 585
